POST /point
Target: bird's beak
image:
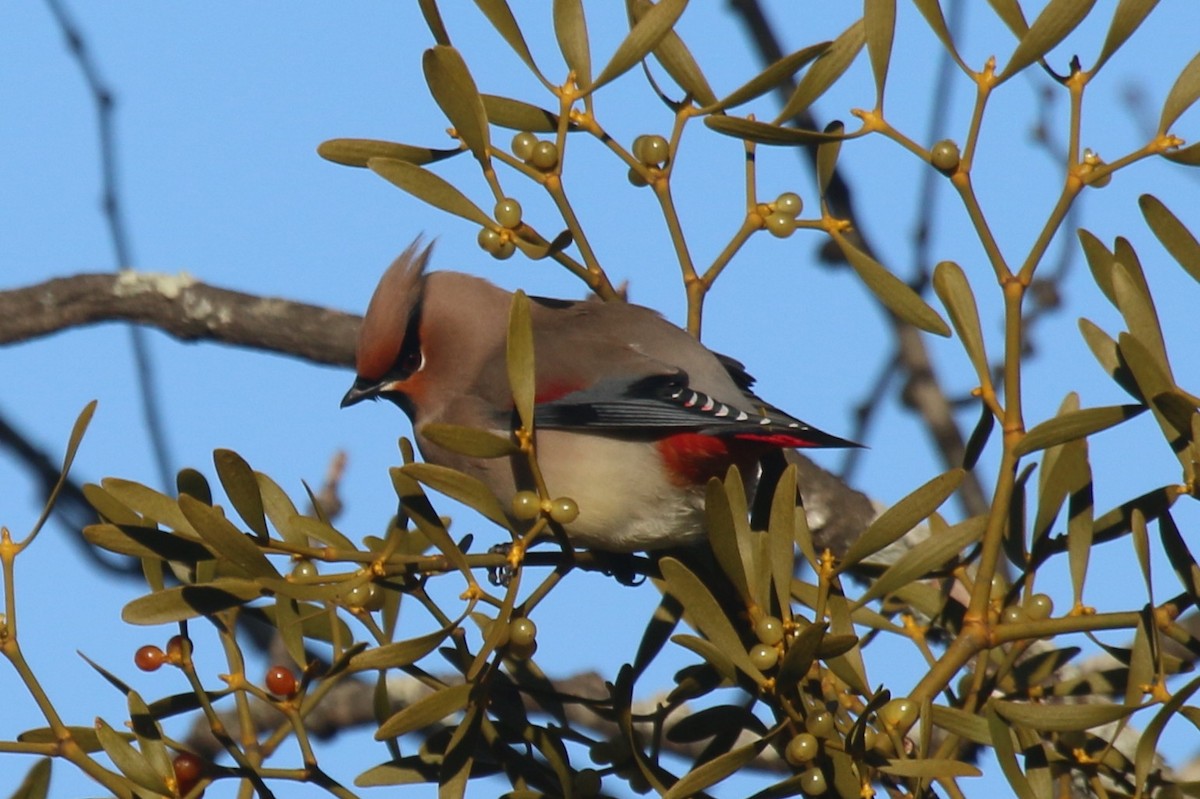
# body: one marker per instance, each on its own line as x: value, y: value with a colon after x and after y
x: 362, y: 390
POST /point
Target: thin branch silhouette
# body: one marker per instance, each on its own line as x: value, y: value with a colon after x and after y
x: 118, y: 234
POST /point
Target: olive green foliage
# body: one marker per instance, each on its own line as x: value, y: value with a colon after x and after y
x: 813, y: 711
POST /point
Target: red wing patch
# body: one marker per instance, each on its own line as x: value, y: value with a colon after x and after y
x: 550, y: 391
x: 778, y: 439
x: 693, y: 458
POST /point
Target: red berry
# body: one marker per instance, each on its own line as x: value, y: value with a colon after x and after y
x: 188, y: 771
x: 149, y: 658
x: 281, y: 681
x: 175, y: 648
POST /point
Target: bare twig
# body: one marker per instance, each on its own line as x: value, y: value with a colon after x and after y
x: 117, y: 230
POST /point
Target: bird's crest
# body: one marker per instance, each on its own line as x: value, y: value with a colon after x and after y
x: 396, y: 299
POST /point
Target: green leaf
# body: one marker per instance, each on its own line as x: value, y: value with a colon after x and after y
x: 979, y: 436
x: 827, y: 156
x: 1137, y: 307
x: 769, y: 78
x: 455, y: 92
x: 321, y: 532
x: 1183, y: 94
x: 36, y: 784
x: 279, y: 509
x: 357, y: 152
x: 154, y: 506
x: 421, y: 511
x: 291, y: 632
x: 190, y: 601
x: 931, y: 768
x: 781, y: 538
x: 84, y: 737
x: 316, y: 621
x: 570, y: 28
x: 932, y: 11
x: 1127, y: 17
x: 1147, y: 745
x: 767, y: 133
x: 896, y: 521
x: 894, y: 293
x: 194, y: 484
x: 1180, y: 556
x: 1052, y: 25
x: 951, y: 285
x: 225, y: 540
x: 411, y: 770
x: 463, y: 488
x: 927, y: 556
x: 879, y: 20
x: 241, y: 486
x: 825, y: 70
x: 520, y: 358
x: 645, y: 35
x: 1109, y: 356
x: 433, y: 21
x: 706, y: 615
x: 1153, y: 380
x: 144, y: 542
x: 1100, y: 261
x: 1177, y: 239
x: 428, y: 187
x: 715, y: 770
x: 469, y: 441
x: 516, y: 115
x: 501, y: 17
x: 677, y: 60
x: 715, y: 720
x: 723, y: 536
x: 400, y: 653
x: 109, y: 508
x: 1187, y: 156
x: 1006, y: 754
x: 1077, y: 474
x: 710, y: 652
x: 1074, y: 425
x: 961, y: 723
x: 426, y: 711
x: 179, y: 703
x: 77, y: 430
x: 149, y: 735
x: 848, y: 665
x: 128, y: 760
x: 1059, y: 717
x: 1010, y: 12
x: 800, y: 655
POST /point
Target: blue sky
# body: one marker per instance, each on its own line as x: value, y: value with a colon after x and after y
x: 220, y: 107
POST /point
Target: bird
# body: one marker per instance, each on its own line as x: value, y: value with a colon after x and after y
x: 633, y: 416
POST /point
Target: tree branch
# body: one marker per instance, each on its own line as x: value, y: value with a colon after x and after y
x: 182, y: 307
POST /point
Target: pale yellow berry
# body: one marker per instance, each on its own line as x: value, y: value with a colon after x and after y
x: 801, y: 749
x: 945, y: 156
x: 544, y: 155
x: 526, y: 505
x: 523, y: 144
x: 508, y: 212
x: 651, y: 150
x: 564, y: 510
x: 789, y: 204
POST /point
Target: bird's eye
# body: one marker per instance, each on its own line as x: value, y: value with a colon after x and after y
x: 412, y: 361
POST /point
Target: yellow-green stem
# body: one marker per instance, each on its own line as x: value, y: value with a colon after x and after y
x: 961, y: 181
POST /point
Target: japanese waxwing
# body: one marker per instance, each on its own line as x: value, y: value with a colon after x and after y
x: 632, y: 417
